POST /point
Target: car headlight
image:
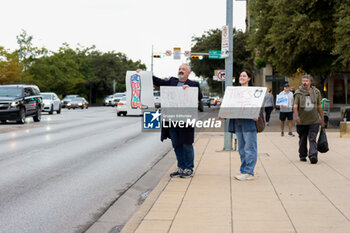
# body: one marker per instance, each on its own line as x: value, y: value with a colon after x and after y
x: 69, y: 104
x: 15, y: 104
x: 80, y: 104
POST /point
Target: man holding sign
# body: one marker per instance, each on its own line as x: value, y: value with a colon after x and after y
x: 182, y: 138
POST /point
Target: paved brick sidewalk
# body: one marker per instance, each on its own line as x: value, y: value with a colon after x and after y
x: 286, y: 196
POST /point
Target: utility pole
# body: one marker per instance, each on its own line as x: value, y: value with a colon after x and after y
x: 229, y: 69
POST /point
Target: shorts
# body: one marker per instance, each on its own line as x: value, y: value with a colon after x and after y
x: 284, y: 115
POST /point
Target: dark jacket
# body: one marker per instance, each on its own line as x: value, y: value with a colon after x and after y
x: 186, y: 135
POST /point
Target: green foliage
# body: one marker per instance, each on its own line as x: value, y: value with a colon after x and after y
x: 342, y: 34
x: 9, y: 67
x: 293, y: 34
x: 260, y: 63
x: 211, y: 40
x: 84, y: 71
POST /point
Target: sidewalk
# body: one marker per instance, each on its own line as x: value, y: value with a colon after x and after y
x: 286, y: 196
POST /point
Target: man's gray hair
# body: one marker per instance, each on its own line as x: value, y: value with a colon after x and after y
x: 308, y: 76
x: 188, y: 66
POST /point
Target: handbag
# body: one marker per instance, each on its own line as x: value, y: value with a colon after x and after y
x: 260, y: 123
x: 322, y: 143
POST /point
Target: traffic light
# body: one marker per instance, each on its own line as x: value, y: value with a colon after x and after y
x: 157, y: 56
x: 197, y: 57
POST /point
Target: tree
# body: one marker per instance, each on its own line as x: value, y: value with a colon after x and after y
x: 108, y: 67
x: 27, y: 53
x: 64, y: 72
x: 84, y: 71
x: 9, y: 67
x: 342, y: 34
x: 211, y: 40
x: 295, y: 34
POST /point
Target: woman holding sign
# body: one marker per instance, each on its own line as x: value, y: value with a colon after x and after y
x: 246, y: 133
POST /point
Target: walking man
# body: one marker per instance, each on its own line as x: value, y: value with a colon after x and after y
x: 308, y: 116
x: 182, y: 138
x: 286, y: 110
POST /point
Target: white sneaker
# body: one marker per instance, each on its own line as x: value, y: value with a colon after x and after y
x: 244, y: 177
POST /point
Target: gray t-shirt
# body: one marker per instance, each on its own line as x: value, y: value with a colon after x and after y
x: 268, y: 100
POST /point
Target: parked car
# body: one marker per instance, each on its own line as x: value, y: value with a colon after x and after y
x: 67, y: 99
x: 156, y: 95
x: 108, y: 100
x: 206, y: 101
x: 121, y: 107
x: 214, y: 100
x: 20, y: 101
x: 78, y: 102
x: 116, y: 97
x: 51, y: 102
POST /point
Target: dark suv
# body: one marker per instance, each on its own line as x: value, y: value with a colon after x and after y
x: 20, y: 101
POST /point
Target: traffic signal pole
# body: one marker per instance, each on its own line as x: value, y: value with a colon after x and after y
x: 229, y: 69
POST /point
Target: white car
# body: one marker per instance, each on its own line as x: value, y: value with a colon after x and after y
x: 108, y: 100
x: 51, y: 103
x: 121, y: 107
x: 116, y: 98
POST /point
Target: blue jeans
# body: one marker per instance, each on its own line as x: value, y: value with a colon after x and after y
x: 184, y: 152
x: 247, y: 144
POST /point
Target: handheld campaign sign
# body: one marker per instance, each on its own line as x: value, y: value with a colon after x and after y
x: 242, y: 102
x: 282, y: 100
x: 178, y: 103
x: 139, y: 92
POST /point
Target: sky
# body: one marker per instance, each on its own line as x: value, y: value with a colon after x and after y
x: 128, y: 26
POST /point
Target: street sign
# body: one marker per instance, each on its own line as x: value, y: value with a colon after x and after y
x: 225, y: 42
x: 274, y: 78
x: 168, y: 53
x: 220, y: 75
x: 187, y: 53
x: 177, y: 53
x: 215, y: 54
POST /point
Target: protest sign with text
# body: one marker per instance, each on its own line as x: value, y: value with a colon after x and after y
x: 178, y: 103
x: 242, y: 102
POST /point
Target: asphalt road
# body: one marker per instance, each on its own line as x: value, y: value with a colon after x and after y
x: 61, y: 174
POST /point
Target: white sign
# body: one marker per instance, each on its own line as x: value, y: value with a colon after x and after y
x: 179, y: 104
x: 242, y: 102
x: 177, y: 97
x: 139, y: 92
x: 282, y: 100
x: 177, y: 53
x: 225, y: 42
x: 219, y: 75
